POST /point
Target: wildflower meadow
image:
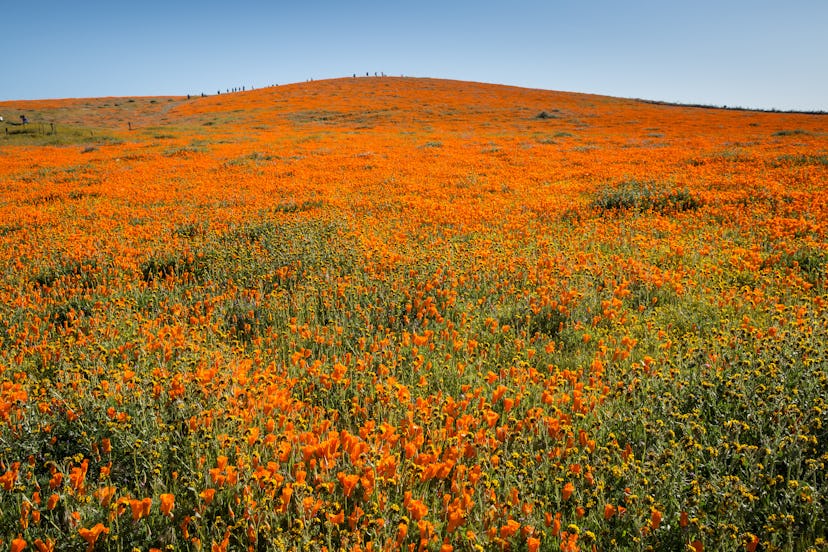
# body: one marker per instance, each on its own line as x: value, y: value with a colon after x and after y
x: 412, y: 314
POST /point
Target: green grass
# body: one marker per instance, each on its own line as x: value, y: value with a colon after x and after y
x: 44, y: 134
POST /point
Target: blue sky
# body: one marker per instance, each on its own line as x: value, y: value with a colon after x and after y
x: 762, y: 54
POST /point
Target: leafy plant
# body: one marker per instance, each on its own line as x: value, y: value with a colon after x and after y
x: 642, y: 196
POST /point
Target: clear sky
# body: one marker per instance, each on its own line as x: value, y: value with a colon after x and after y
x: 748, y: 53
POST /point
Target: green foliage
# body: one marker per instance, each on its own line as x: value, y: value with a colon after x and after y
x: 736, y: 438
x: 46, y: 134
x: 546, y: 115
x: 82, y: 273
x: 242, y: 318
x: 635, y: 195
x: 294, y: 207
x: 184, y: 151
x: 810, y: 261
x: 800, y: 160
x: 546, y: 321
x: 185, y: 266
x: 794, y: 132
x: 256, y: 158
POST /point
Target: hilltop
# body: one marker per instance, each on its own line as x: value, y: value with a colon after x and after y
x: 392, y: 102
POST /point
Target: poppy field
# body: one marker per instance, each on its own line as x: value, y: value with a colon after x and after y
x: 412, y: 314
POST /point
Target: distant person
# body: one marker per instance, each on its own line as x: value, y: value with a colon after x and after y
x: 24, y: 120
x: 1, y: 118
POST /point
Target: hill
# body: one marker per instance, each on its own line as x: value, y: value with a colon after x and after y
x: 390, y: 100
x: 394, y: 313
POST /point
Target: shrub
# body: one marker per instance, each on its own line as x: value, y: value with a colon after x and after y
x: 635, y: 195
x: 795, y: 132
x: 545, y: 115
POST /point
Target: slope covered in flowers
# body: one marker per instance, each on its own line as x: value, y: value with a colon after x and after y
x: 412, y: 314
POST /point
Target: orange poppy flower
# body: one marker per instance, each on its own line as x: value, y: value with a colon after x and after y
x: 18, y: 544
x: 509, y: 529
x: 336, y: 519
x: 207, y: 496
x: 52, y: 501
x: 48, y: 546
x: 655, y: 519
x: 91, y: 535
x: 609, y: 511
x: 167, y: 504
x: 567, y: 490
